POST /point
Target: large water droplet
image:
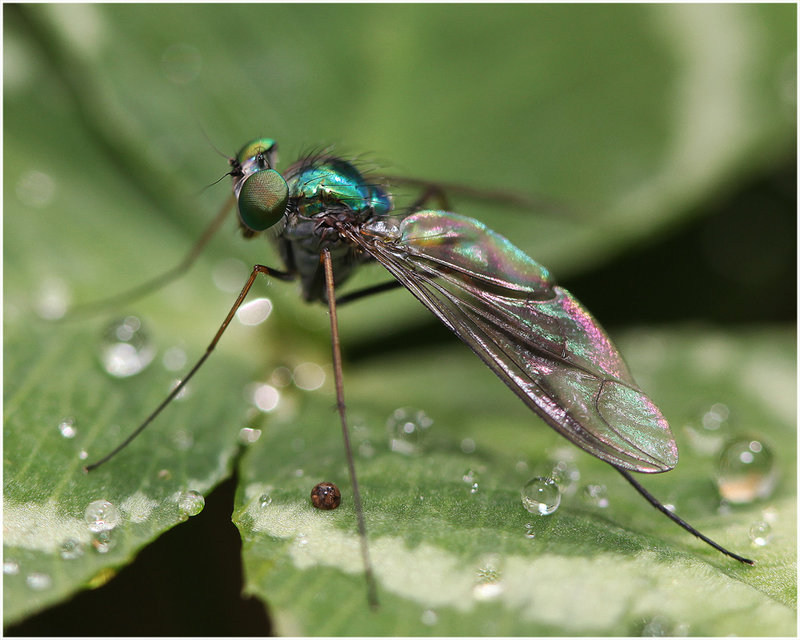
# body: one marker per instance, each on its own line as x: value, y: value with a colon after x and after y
x: 67, y: 428
x: 746, y: 471
x: 761, y: 533
x: 541, y: 496
x: 191, y: 503
x: 101, y: 515
x: 125, y: 349
x: 407, y: 429
x: 39, y: 581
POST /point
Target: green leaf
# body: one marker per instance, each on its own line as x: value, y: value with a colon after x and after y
x: 625, y: 117
x: 442, y: 520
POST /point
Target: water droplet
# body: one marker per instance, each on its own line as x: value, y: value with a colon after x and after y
x: 326, y: 496
x: 541, y: 496
x: 35, y: 189
x: 308, y: 376
x: 301, y: 540
x: 529, y: 531
x: 39, y: 581
x: 248, y: 435
x: 83, y: 454
x: 67, y: 428
x: 299, y: 473
x: 164, y: 474
x: 264, y: 500
x: 254, y: 312
x: 407, y: 429
x: 174, y: 359
x: 181, y: 63
x: 101, y: 515
x: 71, y: 549
x: 761, y: 533
x: 474, y: 488
x: 281, y: 377
x: 429, y: 618
x: 468, y: 445
x: 596, y: 495
x: 470, y: 475
x: 125, y: 349
x: 715, y: 416
x: 10, y: 567
x: 489, y: 583
x: 264, y: 396
x: 102, y: 542
x: 191, y: 503
x: 52, y: 299
x: 746, y: 471
x: 182, y: 439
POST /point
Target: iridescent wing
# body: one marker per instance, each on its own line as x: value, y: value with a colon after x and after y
x: 533, y: 334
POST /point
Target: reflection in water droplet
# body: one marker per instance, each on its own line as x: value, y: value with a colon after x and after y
x: 746, y: 471
x: 39, y: 581
x: 67, y: 428
x: 71, y: 549
x: 254, y: 312
x: 541, y: 496
x: 125, y: 349
x: 181, y: 63
x: 596, y: 495
x: 101, y: 515
x: 248, y: 435
x: 10, y: 567
x: 761, y: 533
x: 408, y: 429
x: 308, y: 376
x: 191, y: 503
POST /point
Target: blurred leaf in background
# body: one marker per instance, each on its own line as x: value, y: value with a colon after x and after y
x: 660, y: 140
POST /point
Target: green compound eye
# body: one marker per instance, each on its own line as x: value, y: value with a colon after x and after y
x: 262, y: 200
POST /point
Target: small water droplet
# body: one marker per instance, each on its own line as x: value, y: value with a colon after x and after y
x: 299, y: 473
x: 529, y: 531
x: 191, y: 503
x: 715, y: 416
x: 264, y: 500
x: 596, y: 495
x: 182, y: 439
x: 301, y: 540
x: 474, y: 488
x: 489, y: 584
x: 10, y: 567
x: 102, y: 542
x: 429, y: 618
x: 254, y: 312
x: 746, y: 471
x: 67, y: 428
x: 308, y: 376
x: 101, y: 515
x: 468, y: 445
x: 408, y: 429
x: 36, y: 189
x: 39, y: 581
x: 264, y: 396
x: 164, y: 474
x: 174, y: 359
x: 248, y: 435
x: 761, y: 533
x: 125, y: 349
x: 83, y: 454
x: 71, y: 549
x: 566, y: 475
x: 541, y: 496
x: 181, y: 63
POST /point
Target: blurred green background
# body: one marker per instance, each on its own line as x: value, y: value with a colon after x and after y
x: 661, y: 142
